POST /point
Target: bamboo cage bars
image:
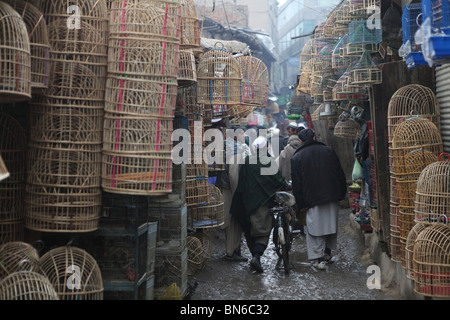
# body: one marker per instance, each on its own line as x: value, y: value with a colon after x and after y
x: 408, y: 262
x: 13, y: 143
x: 55, y: 265
x: 431, y: 258
x: 255, y: 80
x: 190, y: 26
x: 24, y: 285
x: 18, y: 256
x: 348, y: 128
x: 210, y: 214
x: 15, y: 67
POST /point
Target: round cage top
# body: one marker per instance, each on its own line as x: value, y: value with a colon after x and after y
x: 17, y: 256
x: 432, y: 202
x: 26, y: 285
x: 84, y: 9
x: 15, y: 72
x: 413, y: 99
x: 416, y: 132
x: 409, y: 248
x: 74, y: 273
x: 39, y: 42
x: 255, y: 80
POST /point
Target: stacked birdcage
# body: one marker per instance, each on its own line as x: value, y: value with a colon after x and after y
x: 365, y: 72
x: 431, y: 262
x: 63, y: 192
x: 25, y: 285
x: 416, y: 143
x: 347, y: 128
x: 60, y: 265
x: 190, y: 26
x: 208, y: 215
x: 15, y: 73
x: 432, y: 197
x: 363, y: 8
x: 339, y: 61
x: 39, y: 42
x: 410, y: 51
x: 409, y: 100
x: 408, y: 262
x: 13, y: 143
x: 18, y: 256
x: 306, y: 54
x: 140, y: 97
x: 304, y: 83
x: 255, y: 81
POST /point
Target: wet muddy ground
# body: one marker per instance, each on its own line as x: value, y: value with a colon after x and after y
x: 345, y: 277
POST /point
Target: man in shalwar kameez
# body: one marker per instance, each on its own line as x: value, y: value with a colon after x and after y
x: 318, y: 183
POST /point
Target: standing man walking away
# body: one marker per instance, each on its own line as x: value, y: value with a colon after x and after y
x: 318, y: 183
x: 236, y: 152
x: 253, y: 199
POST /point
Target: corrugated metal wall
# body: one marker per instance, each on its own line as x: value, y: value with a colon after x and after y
x: 443, y: 96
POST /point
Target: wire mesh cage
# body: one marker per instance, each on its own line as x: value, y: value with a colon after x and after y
x: 144, y: 174
x: 18, y: 256
x: 39, y: 42
x: 432, y: 262
x: 25, y: 285
x: 208, y: 215
x: 365, y: 71
x: 73, y: 272
x: 348, y: 128
x: 190, y: 25
x: 187, y: 70
x: 255, y: 80
x: 15, y: 73
x: 219, y: 78
x: 360, y: 33
x: 438, y: 12
x: 433, y: 194
x: 408, y: 261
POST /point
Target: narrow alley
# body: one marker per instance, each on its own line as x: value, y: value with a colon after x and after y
x: 345, y: 277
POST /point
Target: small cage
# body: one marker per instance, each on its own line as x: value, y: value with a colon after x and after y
x: 304, y: 83
x: 190, y: 25
x: 219, y: 78
x: 208, y: 215
x: 432, y: 201
x: 306, y: 54
x: 366, y: 72
x: 348, y: 128
x: 240, y: 111
x: 195, y: 254
x: 329, y: 26
x: 432, y: 262
x: 18, y: 256
x: 15, y: 56
x: 142, y: 174
x: 255, y: 80
x: 408, y: 261
x: 438, y: 12
x: 359, y: 33
x: 25, y: 285
x: 39, y: 42
x: 187, y: 70
x: 411, y: 21
x: 74, y: 273
x: 363, y: 8
x: 134, y: 135
x: 126, y: 95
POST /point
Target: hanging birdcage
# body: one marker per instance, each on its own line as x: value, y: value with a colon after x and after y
x: 255, y: 80
x: 304, y: 83
x: 15, y: 56
x: 432, y: 198
x: 306, y: 55
x: 431, y: 257
x: 39, y: 42
x: 360, y: 34
x: 59, y: 265
x: 347, y: 128
x: 187, y: 70
x: 366, y: 72
x: 358, y: 49
x: 411, y: 21
x: 190, y: 26
x: 219, y: 78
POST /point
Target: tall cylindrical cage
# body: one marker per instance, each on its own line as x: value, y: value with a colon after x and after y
x: 73, y: 272
x: 15, y: 56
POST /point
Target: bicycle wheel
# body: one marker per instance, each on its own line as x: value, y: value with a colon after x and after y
x: 286, y: 247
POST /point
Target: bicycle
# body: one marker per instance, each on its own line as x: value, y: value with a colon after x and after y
x: 283, y: 215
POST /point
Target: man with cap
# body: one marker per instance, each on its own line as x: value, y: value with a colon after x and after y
x: 318, y: 184
x: 254, y: 197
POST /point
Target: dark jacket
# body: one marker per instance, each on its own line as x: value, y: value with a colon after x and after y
x: 317, y: 175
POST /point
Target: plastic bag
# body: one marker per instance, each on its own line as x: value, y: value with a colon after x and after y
x: 358, y: 172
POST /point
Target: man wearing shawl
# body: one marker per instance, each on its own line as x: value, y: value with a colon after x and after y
x: 318, y: 184
x: 253, y: 199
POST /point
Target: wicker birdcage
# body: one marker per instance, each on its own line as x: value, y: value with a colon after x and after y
x: 27, y: 286
x: 15, y: 56
x: 126, y: 96
x: 360, y: 33
x: 432, y: 198
x: 348, y: 128
x: 240, y: 111
x: 187, y: 70
x: 219, y: 78
x: 431, y: 258
x: 255, y: 80
x: 352, y: 49
x: 365, y: 71
x: 142, y: 174
x: 190, y: 26
x: 18, y: 256
x: 329, y: 25
x: 304, y: 83
x: 74, y: 273
x: 39, y: 42
x: 208, y: 215
x: 363, y: 8
x: 306, y: 54
x: 195, y: 254
x: 133, y: 135
x: 408, y: 261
